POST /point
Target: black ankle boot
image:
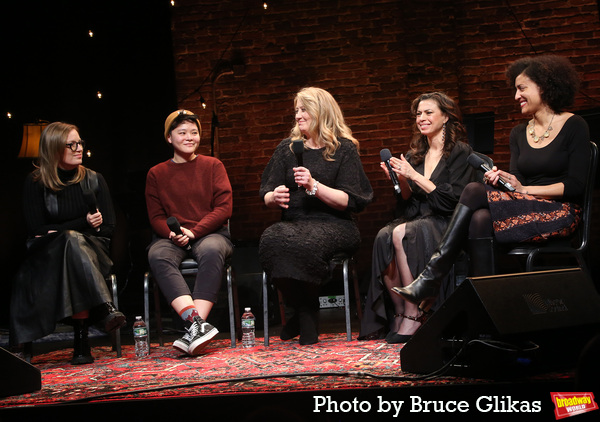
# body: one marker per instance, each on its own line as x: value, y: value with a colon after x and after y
x: 425, y: 289
x: 291, y: 328
x: 81, y: 349
x: 113, y: 318
x: 481, y: 257
x: 309, y: 325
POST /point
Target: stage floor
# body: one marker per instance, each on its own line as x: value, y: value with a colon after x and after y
x: 333, y: 380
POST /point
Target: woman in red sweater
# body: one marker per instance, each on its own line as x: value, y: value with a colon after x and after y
x: 196, y: 191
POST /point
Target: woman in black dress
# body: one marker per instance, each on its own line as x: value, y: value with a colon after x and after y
x: 63, y: 276
x: 432, y: 177
x: 549, y: 162
x: 317, y: 198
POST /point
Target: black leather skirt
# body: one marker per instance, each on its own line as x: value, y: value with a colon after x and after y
x: 63, y: 274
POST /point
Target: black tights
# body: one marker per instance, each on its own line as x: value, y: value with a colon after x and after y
x: 474, y: 196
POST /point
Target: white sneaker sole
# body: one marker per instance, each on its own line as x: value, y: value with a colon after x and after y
x: 197, y: 345
x: 180, y: 346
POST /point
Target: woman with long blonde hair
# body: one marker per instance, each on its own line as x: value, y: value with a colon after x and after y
x: 317, y: 198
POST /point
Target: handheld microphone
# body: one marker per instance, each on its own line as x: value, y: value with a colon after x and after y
x: 385, y: 155
x: 298, y: 150
x: 90, y: 199
x: 477, y: 162
x: 175, y: 227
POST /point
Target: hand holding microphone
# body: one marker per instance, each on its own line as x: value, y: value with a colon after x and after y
x: 90, y: 199
x: 298, y: 150
x: 175, y: 227
x: 477, y: 162
x: 386, y: 155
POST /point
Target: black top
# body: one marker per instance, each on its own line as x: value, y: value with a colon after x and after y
x: 345, y: 173
x: 450, y: 176
x: 72, y: 207
x: 565, y: 159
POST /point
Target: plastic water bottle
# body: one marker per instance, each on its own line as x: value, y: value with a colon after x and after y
x: 248, y: 328
x: 140, y: 335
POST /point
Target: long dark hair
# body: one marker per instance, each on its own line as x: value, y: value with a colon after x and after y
x: 454, y: 131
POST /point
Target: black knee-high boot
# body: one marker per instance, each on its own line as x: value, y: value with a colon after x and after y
x: 481, y: 257
x: 81, y: 348
x: 425, y: 289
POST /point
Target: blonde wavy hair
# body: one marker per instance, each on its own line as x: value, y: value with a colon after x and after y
x: 327, y: 123
x: 52, y: 147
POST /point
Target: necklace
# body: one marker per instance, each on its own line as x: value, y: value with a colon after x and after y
x: 546, y: 134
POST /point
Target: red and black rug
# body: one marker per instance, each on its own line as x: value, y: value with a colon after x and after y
x: 333, y: 363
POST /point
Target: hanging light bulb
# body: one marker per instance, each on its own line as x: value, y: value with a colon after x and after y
x: 172, y: 2
x: 88, y: 153
x: 9, y: 115
x: 91, y: 33
x: 202, y: 102
x: 99, y: 95
x: 265, y: 5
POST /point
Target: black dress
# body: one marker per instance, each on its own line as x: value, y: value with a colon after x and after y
x: 64, y: 272
x: 426, y: 217
x: 310, y: 232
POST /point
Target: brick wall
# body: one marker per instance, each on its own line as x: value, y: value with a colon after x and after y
x: 374, y: 56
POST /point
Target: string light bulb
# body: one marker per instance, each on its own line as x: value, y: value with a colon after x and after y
x: 88, y: 153
x: 265, y: 5
x: 9, y: 115
x: 99, y: 95
x: 202, y: 102
x: 172, y: 2
x: 91, y: 33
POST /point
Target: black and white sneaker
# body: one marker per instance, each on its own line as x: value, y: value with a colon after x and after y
x: 198, y: 335
x: 182, y: 344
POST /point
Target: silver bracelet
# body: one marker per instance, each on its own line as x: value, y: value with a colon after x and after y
x: 313, y: 192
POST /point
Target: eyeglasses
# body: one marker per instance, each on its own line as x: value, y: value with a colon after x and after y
x: 74, y: 145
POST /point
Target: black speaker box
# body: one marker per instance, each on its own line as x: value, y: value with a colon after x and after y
x: 18, y: 376
x: 507, y: 325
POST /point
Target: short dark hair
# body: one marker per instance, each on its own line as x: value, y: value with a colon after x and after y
x: 554, y: 75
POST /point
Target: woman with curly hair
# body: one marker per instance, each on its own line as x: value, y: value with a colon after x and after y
x: 432, y: 176
x: 317, y: 199
x: 549, y: 161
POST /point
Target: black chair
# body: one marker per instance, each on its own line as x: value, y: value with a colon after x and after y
x: 115, y: 335
x: 189, y: 267
x: 575, y: 246
x: 347, y: 262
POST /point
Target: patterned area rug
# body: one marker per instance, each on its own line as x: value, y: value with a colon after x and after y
x: 333, y: 363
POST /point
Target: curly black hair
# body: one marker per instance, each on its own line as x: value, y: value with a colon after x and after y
x: 554, y: 75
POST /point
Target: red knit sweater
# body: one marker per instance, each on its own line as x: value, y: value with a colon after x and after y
x: 197, y: 193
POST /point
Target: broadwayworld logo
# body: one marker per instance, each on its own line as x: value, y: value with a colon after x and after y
x: 571, y: 404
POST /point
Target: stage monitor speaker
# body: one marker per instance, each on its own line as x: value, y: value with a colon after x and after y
x: 18, y: 376
x: 505, y: 324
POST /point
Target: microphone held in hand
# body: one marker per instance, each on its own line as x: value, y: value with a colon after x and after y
x: 386, y: 155
x: 298, y: 150
x: 475, y: 161
x: 175, y: 227
x: 90, y: 200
